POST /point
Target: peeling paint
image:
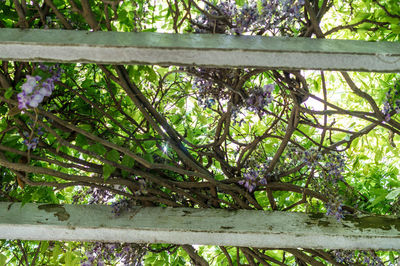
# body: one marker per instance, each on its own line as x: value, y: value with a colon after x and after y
x: 374, y: 222
x: 323, y: 223
x: 186, y: 212
x: 318, y: 220
x: 227, y: 227
x: 316, y: 215
x: 198, y: 226
x: 58, y: 210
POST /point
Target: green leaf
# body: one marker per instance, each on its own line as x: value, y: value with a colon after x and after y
x: 150, y: 30
x: 393, y: 194
x: 391, y: 256
x: 378, y: 155
x: 44, y: 246
x: 378, y: 199
x: 98, y: 148
x: 107, y: 170
x: 240, y: 2
x: 9, y: 92
x: 159, y: 263
x: 396, y: 29
x: 3, y: 260
x: 359, y: 17
x: 60, y: 196
x: 113, y: 155
x: 148, y: 157
x: 85, y: 127
x: 81, y: 140
x: 152, y: 76
x: 68, y: 259
x: 128, y: 162
x: 56, y: 252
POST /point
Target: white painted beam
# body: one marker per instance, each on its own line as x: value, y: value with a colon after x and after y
x: 197, y: 50
x: 197, y: 226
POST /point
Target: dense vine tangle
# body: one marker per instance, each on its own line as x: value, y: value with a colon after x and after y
x: 114, y: 133
x: 267, y: 16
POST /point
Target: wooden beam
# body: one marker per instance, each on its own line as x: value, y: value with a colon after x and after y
x: 197, y: 226
x: 67, y: 46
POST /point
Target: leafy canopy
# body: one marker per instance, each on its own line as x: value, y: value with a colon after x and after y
x: 264, y: 139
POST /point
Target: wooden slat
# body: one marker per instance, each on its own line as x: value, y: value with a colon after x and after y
x: 197, y: 50
x: 197, y: 226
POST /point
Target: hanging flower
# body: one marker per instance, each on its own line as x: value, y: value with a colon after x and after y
x: 35, y: 89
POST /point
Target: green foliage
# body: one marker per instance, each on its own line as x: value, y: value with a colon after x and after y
x: 128, y: 162
x: 107, y: 171
x: 40, y: 253
x: 177, y: 258
x: 3, y: 259
x: 98, y: 148
x: 175, y: 126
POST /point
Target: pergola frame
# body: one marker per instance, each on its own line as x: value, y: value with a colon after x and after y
x: 246, y: 228
x: 197, y: 226
x: 67, y: 46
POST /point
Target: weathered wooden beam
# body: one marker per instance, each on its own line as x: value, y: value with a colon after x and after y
x: 197, y: 50
x: 197, y: 226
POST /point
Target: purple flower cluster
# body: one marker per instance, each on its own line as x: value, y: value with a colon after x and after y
x: 122, y: 205
x: 103, y: 196
x: 349, y: 257
x: 344, y: 256
x: 107, y: 253
x: 206, y: 90
x: 334, y: 166
x: 32, y: 143
x: 94, y: 196
x: 334, y: 209
x: 262, y: 16
x: 32, y: 140
x: 328, y: 168
x: 312, y: 157
x: 269, y: 15
x: 214, y: 23
x: 374, y: 261
x: 259, y: 98
x: 35, y: 88
x: 392, y: 103
x: 126, y: 204
x: 252, y: 179
x: 99, y: 196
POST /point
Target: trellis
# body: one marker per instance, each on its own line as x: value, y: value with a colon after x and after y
x: 64, y: 46
x: 197, y: 226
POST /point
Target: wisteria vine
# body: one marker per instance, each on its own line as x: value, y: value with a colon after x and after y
x: 111, y: 119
